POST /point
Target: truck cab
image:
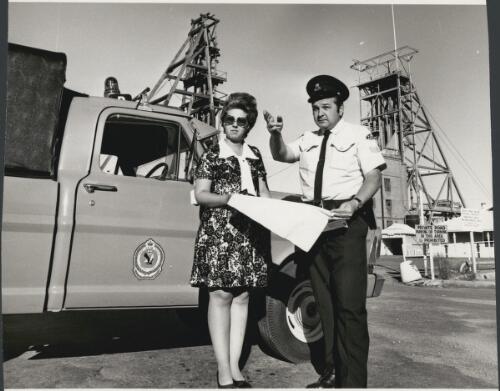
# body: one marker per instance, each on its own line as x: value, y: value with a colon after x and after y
x: 121, y: 182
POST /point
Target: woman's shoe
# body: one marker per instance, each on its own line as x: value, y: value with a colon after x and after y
x: 230, y: 385
x: 241, y: 384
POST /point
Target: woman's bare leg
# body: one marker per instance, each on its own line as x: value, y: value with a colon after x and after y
x: 219, y: 319
x: 239, y: 315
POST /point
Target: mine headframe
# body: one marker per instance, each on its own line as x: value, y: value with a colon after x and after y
x: 392, y: 109
x: 192, y: 75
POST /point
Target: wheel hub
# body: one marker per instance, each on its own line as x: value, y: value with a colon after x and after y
x: 302, y: 315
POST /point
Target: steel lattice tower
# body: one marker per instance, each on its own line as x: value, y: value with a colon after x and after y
x: 194, y: 66
x: 391, y: 107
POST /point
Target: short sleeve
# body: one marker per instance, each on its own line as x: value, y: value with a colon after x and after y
x: 295, y: 147
x: 205, y: 167
x: 259, y: 165
x: 369, y: 154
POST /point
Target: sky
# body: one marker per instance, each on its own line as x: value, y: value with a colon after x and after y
x: 272, y: 50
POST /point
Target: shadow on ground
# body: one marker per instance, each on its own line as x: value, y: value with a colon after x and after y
x: 84, y: 333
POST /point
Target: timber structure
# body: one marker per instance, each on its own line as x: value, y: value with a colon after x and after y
x: 192, y: 75
x: 393, y: 110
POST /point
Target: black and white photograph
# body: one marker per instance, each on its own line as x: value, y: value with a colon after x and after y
x: 248, y: 195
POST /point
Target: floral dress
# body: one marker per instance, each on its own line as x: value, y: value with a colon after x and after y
x: 231, y: 250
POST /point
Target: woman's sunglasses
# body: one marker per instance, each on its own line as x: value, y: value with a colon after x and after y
x: 229, y: 120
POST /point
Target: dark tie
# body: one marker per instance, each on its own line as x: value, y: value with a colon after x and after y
x: 318, y: 179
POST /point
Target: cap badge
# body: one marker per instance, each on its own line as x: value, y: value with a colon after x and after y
x: 317, y: 87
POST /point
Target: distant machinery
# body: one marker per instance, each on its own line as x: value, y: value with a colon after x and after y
x: 417, y: 167
x: 193, y: 73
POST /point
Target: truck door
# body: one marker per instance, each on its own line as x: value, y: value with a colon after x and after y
x: 134, y: 224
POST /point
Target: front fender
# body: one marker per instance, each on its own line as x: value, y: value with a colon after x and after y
x: 286, y: 260
x: 281, y: 249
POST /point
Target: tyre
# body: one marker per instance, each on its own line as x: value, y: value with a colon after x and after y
x: 465, y: 268
x: 288, y: 319
x: 290, y: 328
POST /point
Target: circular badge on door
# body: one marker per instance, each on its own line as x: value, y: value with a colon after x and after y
x: 148, y: 260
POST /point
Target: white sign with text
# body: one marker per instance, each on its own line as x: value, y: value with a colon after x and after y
x: 431, y: 234
x: 471, y: 219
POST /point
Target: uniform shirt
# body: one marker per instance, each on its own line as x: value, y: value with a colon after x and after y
x: 351, y: 152
x: 246, y: 175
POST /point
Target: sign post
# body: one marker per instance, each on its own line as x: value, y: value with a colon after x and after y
x: 472, y: 221
x: 431, y: 258
x: 422, y: 222
x: 426, y: 272
x: 431, y: 234
x: 472, y: 252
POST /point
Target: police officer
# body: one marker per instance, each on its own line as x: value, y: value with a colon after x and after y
x: 340, y: 168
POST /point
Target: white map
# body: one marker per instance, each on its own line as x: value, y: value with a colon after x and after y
x: 299, y: 223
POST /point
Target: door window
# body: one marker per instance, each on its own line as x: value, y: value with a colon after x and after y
x: 143, y: 147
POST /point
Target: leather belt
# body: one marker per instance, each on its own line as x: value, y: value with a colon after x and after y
x: 333, y: 204
x: 328, y: 204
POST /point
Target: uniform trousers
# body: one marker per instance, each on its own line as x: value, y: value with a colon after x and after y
x: 338, y: 272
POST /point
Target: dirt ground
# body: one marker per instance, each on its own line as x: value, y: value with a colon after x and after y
x: 421, y: 337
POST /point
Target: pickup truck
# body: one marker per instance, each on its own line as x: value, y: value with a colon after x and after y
x: 97, y: 211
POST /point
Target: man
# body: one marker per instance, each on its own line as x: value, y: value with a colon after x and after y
x: 340, y: 169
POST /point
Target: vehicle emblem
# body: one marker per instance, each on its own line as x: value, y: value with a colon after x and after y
x: 148, y: 260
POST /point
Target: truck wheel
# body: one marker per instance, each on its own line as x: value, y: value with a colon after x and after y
x: 291, y: 326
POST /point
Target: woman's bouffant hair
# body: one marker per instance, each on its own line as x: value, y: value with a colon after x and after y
x: 242, y: 101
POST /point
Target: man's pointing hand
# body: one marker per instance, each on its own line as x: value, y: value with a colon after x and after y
x: 272, y: 125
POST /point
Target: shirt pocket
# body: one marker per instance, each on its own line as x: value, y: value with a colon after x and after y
x: 343, y: 157
x: 309, y: 157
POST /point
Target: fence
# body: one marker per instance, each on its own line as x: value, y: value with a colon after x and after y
x: 452, y: 250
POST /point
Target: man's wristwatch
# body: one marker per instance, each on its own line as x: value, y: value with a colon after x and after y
x: 360, y: 203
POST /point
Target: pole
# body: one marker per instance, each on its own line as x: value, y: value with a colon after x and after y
x: 422, y: 222
x: 209, y: 76
x: 473, y: 254
x: 382, y: 206
x: 431, y: 258
x: 426, y: 271
x: 395, y: 41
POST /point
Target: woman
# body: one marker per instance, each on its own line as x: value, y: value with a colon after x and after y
x: 231, y: 250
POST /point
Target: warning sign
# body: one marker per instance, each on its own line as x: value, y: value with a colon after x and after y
x: 471, y: 219
x: 434, y: 234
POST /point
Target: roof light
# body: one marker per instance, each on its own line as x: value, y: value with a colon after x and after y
x: 111, y: 89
